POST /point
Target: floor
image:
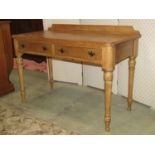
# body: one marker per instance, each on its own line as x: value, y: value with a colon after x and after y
x: 79, y: 108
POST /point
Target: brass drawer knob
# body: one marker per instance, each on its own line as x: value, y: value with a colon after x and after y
x: 91, y: 53
x: 23, y: 45
x: 61, y: 50
x: 44, y: 48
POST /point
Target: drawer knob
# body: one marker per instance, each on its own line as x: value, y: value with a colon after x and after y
x: 23, y: 45
x: 44, y: 48
x: 61, y: 50
x: 91, y: 53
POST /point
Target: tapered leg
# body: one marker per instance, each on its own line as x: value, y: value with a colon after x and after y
x: 50, y: 72
x: 132, y: 63
x: 21, y: 77
x: 108, y: 76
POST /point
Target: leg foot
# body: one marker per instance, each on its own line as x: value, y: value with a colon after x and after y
x: 107, y: 124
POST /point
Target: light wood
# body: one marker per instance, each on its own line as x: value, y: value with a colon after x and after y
x: 108, y: 76
x: 35, y: 48
x: 132, y: 64
x: 98, y: 45
x: 104, y: 29
x: 109, y: 53
x: 50, y: 72
x: 124, y: 50
x: 19, y: 61
x: 88, y: 55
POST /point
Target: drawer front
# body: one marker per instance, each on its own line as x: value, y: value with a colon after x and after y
x: 35, y: 48
x: 91, y: 55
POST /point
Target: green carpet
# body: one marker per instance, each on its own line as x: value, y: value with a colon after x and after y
x: 77, y: 108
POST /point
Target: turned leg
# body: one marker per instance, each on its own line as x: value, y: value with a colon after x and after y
x: 132, y: 63
x: 21, y: 77
x: 50, y: 72
x: 108, y: 76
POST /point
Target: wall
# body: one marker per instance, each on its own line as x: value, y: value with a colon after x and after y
x: 144, y: 85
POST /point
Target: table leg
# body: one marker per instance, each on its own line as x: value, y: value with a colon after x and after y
x: 132, y: 64
x: 21, y: 77
x: 108, y: 76
x: 50, y: 72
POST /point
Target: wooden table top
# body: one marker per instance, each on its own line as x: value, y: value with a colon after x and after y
x: 81, y: 38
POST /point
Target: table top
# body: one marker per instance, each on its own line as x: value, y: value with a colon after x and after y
x: 90, y: 38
